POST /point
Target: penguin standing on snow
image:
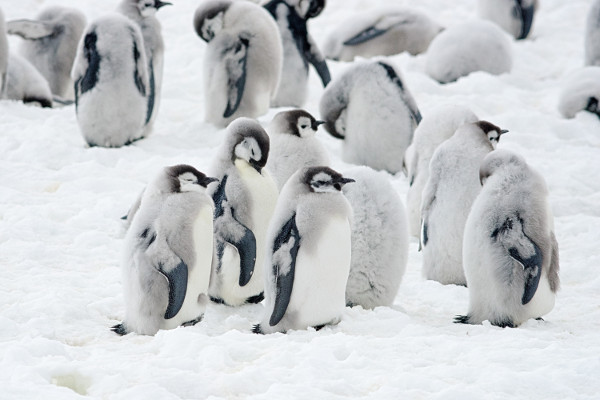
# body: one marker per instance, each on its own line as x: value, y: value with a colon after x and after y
x: 437, y: 126
x: 51, y: 45
x: 514, y: 16
x: 510, y: 251
x: 299, y: 49
x: 143, y: 13
x: 308, y: 257
x: 371, y: 109
x: 242, y: 64
x: 447, y: 197
x: 244, y: 199
x: 294, y: 145
x: 111, y: 82
x: 168, y: 252
x: 379, y: 239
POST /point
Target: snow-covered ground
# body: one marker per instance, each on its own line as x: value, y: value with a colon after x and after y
x: 61, y: 238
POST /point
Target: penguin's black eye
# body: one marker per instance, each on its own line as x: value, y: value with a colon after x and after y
x: 303, y: 126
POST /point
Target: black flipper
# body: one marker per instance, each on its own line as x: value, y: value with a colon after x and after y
x: 236, y: 73
x: 246, y: 248
x: 532, y: 268
x: 365, y: 35
x: 526, y: 17
x: 177, y: 278
x: 90, y: 78
x: 151, y: 95
x: 415, y: 114
x: 137, y: 77
x: 285, y: 250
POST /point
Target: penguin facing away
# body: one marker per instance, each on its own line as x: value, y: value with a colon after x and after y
x: 50, y: 45
x: 381, y: 31
x: 450, y: 190
x: 299, y: 49
x: 308, y: 257
x: 245, y: 199
x: 111, y: 82
x: 580, y: 91
x: 372, y: 110
x: 242, y: 64
x: 294, y: 145
x: 511, y: 255
x: 514, y: 16
x: 167, y: 254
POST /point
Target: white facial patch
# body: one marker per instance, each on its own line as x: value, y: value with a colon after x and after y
x: 212, y: 26
x: 322, y: 183
x: 305, y: 127
x: 147, y: 8
x: 189, y: 182
x: 248, y: 149
x: 493, y: 137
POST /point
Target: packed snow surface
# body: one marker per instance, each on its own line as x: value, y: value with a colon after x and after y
x: 61, y: 239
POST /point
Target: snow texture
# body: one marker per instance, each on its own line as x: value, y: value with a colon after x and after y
x: 61, y: 238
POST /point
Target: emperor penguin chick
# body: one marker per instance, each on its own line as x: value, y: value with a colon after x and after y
x: 309, y: 250
x: 51, y: 45
x: 143, y: 12
x: 510, y: 251
x: 242, y: 64
x: 580, y: 91
x: 168, y: 252
x: 437, y: 126
x: 450, y: 190
x: 294, y: 145
x: 244, y: 199
x: 370, y: 108
x: 111, y: 82
x: 514, y: 16
x: 299, y: 49
x: 379, y: 239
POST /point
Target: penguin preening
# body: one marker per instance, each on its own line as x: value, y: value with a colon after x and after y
x: 510, y: 251
x: 580, y: 91
x: 514, y: 16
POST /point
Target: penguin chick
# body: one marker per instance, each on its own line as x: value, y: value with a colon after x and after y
x: 25, y: 83
x: 168, y: 252
x: 476, y: 45
x: 450, y: 190
x: 372, y: 110
x: 437, y: 126
x: 244, y: 199
x: 379, y: 239
x: 299, y: 49
x: 3, y: 55
x: 242, y: 64
x: 111, y: 82
x: 510, y: 252
x: 580, y: 91
x: 50, y: 45
x: 308, y: 256
x: 382, y: 31
x: 294, y: 145
x: 514, y: 16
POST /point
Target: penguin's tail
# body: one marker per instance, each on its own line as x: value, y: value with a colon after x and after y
x: 257, y: 329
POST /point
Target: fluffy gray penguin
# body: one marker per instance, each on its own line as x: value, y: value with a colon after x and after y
x: 309, y: 250
x: 471, y: 46
x: 580, y: 91
x: 242, y: 64
x: 379, y: 239
x: 592, y: 35
x: 25, y: 83
x: 4, y: 51
x: 381, y: 31
x: 299, y: 49
x: 437, y: 126
x: 510, y: 252
x: 168, y: 252
x: 111, y: 82
x: 50, y: 45
x: 372, y: 110
x: 294, y: 145
x: 245, y: 199
x: 514, y: 16
x: 143, y: 13
x: 447, y: 197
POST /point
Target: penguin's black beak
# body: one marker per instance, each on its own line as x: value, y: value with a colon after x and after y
x: 256, y: 165
x: 320, y: 123
x: 503, y: 131
x: 340, y: 182
x: 158, y: 4
x: 207, y: 181
x: 316, y: 124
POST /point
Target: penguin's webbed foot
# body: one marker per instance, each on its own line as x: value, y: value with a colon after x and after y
x: 257, y: 329
x: 120, y: 329
x: 193, y: 322
x: 256, y: 299
x: 461, y: 319
x: 217, y: 300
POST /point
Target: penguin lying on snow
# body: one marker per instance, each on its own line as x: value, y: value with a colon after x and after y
x: 242, y: 64
x: 244, y: 202
x: 371, y: 109
x: 447, y: 197
x: 510, y: 251
x: 111, y: 82
x: 51, y: 45
x: 299, y: 49
x: 381, y: 31
x: 580, y: 91
x: 308, y: 256
x: 25, y: 83
x: 294, y: 145
x: 168, y: 252
x: 514, y: 16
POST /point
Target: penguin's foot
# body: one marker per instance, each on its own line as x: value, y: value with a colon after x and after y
x: 193, y: 322
x: 461, y: 319
x: 256, y: 299
x: 539, y: 319
x: 217, y: 300
x: 120, y: 329
x: 504, y: 323
x: 257, y: 329
x: 319, y: 327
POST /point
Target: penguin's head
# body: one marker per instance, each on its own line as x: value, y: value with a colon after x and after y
x: 185, y: 178
x: 324, y: 180
x: 307, y: 8
x: 491, y: 131
x: 299, y: 123
x: 148, y: 8
x: 251, y: 142
x: 497, y: 159
x: 208, y: 18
